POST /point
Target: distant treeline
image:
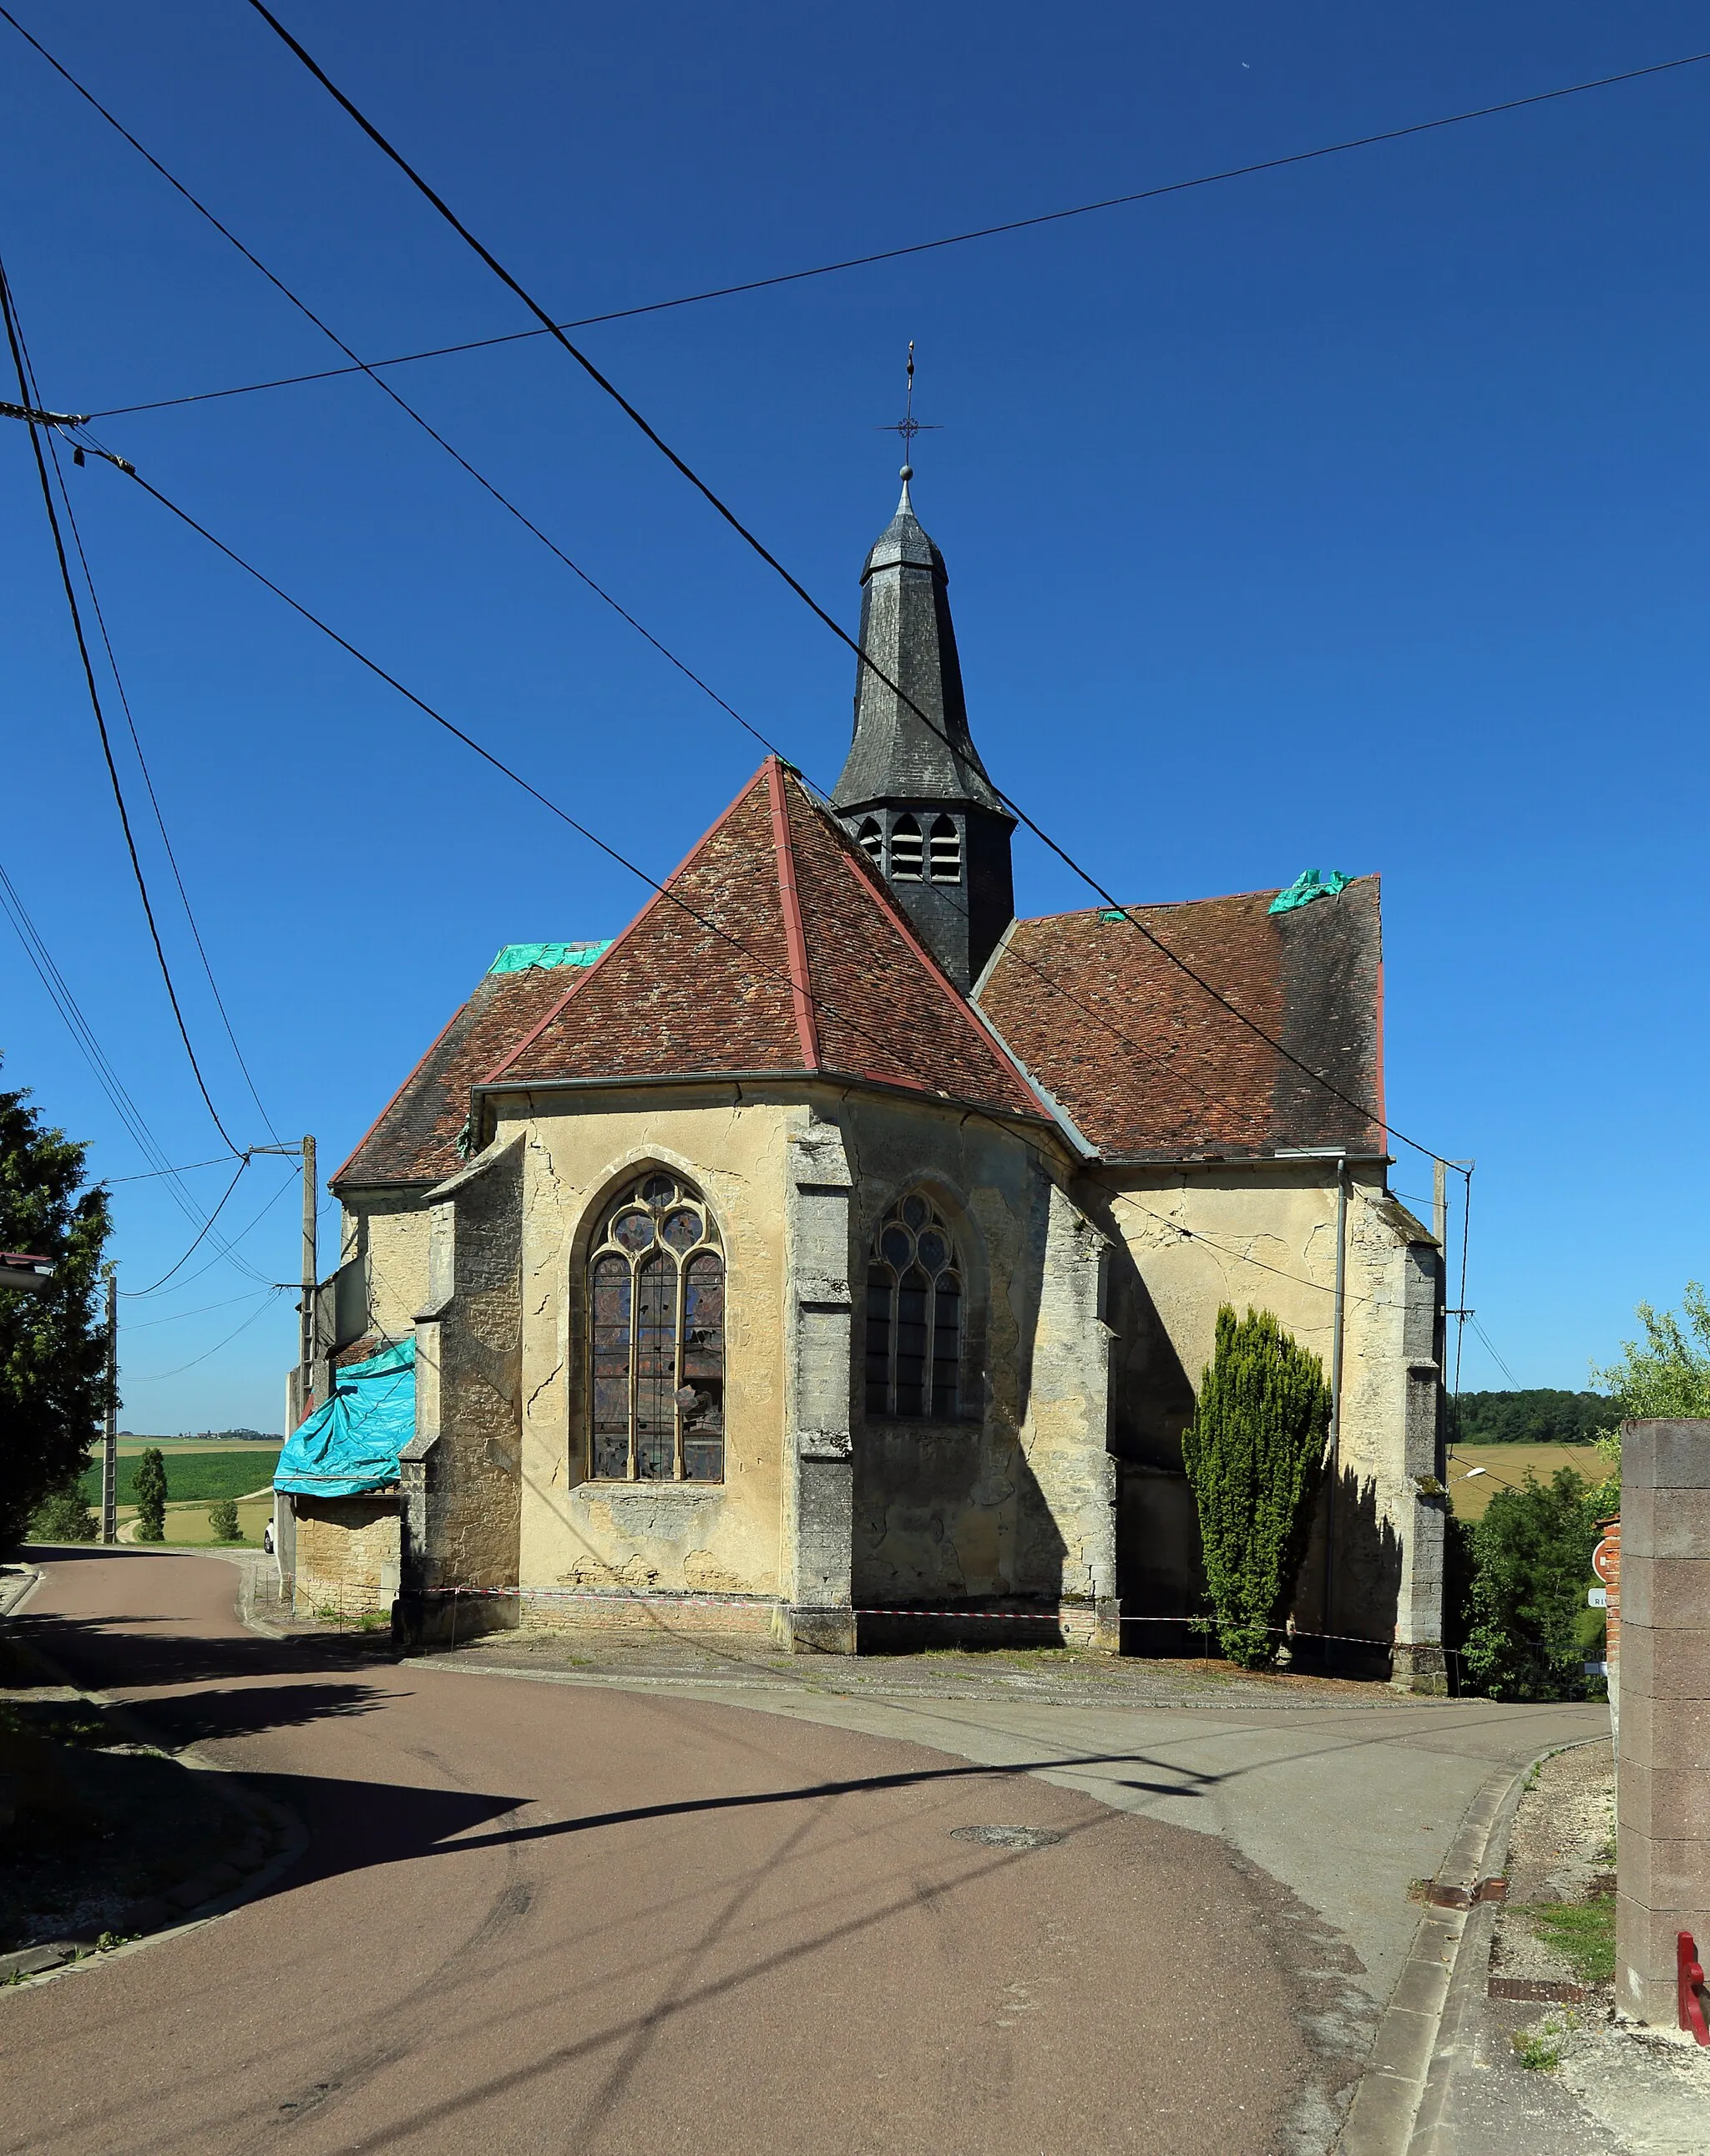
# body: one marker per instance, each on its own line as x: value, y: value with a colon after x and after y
x: 1531, y: 1418
x: 206, y: 1437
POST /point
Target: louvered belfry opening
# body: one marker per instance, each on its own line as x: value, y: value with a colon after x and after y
x: 914, y: 1316
x: 655, y: 1347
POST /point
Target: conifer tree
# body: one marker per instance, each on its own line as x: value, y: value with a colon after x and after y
x: 53, y: 1344
x: 148, y: 1485
x: 1255, y: 1455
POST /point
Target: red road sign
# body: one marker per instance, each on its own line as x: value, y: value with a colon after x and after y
x: 1604, y: 1559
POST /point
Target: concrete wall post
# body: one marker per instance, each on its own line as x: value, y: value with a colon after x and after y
x: 1663, y: 1767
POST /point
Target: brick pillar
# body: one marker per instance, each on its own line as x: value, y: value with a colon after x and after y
x: 1663, y: 1777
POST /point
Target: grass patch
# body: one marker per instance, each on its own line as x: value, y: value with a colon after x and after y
x: 193, y: 1478
x: 1582, y: 1932
x: 1534, y: 2050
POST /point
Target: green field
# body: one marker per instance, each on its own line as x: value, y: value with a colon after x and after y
x: 193, y: 1477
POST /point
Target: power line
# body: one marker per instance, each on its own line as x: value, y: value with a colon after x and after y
x: 218, y: 1160
x: 156, y: 1377
x: 207, y: 1228
x: 153, y: 798
x: 750, y: 539
x: 145, y: 1324
x: 278, y: 283
x: 359, y: 366
x: 890, y: 253
x: 663, y: 891
x: 27, y: 391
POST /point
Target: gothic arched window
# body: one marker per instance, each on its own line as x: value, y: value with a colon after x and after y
x: 871, y: 841
x: 655, y: 1337
x: 944, y: 852
x: 914, y: 1315
x: 905, y: 850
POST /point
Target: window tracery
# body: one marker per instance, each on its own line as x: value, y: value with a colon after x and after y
x: 655, y: 1337
x: 914, y: 1315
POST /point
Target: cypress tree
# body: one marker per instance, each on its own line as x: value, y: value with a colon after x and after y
x: 148, y: 1485
x: 1254, y: 1454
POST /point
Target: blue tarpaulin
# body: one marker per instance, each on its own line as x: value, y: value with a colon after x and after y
x: 518, y: 957
x: 351, y: 1445
x: 1307, y: 886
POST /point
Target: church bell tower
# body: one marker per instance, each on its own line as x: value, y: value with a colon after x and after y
x: 914, y: 794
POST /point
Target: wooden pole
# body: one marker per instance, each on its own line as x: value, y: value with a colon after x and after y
x: 305, y: 1353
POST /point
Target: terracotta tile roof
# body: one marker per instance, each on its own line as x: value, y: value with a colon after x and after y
x: 1148, y: 1064
x: 799, y: 960
x: 415, y: 1138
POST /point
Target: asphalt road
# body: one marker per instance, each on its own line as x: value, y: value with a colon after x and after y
x: 553, y: 1917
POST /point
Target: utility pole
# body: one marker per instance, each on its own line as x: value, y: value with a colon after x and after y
x: 1439, y: 1228
x: 306, y: 1357
x: 109, y: 1442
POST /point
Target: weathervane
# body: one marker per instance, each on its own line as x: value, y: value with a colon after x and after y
x: 908, y: 426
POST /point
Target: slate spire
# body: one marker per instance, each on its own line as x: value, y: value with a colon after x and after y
x: 914, y: 793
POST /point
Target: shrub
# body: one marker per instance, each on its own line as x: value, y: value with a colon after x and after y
x: 1254, y: 1453
x: 1531, y: 1567
x: 62, y: 1517
x: 149, y: 1483
x: 223, y: 1518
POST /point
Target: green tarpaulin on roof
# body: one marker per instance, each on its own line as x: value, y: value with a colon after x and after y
x: 352, y: 1444
x: 1306, y: 887
x: 518, y: 957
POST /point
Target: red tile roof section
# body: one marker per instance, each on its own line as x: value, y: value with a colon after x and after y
x: 807, y: 964
x: 1147, y: 1064
x: 414, y: 1139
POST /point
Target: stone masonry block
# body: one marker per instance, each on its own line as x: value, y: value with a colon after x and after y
x: 1664, y: 1523
x: 1677, y: 1731
x: 1668, y: 1593
x: 1665, y: 1456
x: 1644, y: 1963
x: 1672, y: 1664
x: 1665, y: 1875
x: 1664, y: 1803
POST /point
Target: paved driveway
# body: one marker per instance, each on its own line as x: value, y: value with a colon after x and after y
x: 576, y: 1918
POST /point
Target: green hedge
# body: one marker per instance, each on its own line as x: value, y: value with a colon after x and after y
x: 193, y: 1477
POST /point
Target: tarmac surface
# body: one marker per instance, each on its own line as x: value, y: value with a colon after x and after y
x: 620, y: 1909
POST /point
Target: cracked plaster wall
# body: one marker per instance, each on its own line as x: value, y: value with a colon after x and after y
x: 706, y: 1538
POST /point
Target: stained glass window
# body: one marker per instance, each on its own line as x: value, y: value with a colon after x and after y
x: 656, y: 1320
x: 914, y: 1316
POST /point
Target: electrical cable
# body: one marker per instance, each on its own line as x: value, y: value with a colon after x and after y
x: 750, y: 539
x: 360, y: 366
x: 154, y: 798
x: 206, y: 1226
x: 156, y: 1377
x: 663, y: 891
x: 27, y: 391
x: 144, y: 1325
x: 893, y: 254
x: 243, y: 1232
x: 1513, y: 1382
x: 218, y: 1160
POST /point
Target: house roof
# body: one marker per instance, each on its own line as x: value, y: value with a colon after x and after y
x: 775, y: 946
x: 414, y: 1139
x: 1149, y: 1066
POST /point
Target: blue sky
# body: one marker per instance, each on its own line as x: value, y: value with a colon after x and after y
x: 1350, y: 516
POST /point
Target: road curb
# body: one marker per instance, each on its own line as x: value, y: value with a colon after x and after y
x: 1399, y: 2103
x: 200, y: 1900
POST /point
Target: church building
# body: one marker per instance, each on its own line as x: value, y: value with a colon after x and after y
x: 835, y: 1256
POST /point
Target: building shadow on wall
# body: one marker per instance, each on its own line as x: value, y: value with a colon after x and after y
x: 1347, y: 1620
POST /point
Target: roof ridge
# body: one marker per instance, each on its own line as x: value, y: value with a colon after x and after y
x: 783, y: 858
x: 660, y: 895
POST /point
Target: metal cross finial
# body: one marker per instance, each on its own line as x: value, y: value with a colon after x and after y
x: 908, y: 426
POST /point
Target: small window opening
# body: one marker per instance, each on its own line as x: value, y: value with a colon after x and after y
x: 914, y: 1316
x: 944, y: 852
x: 871, y: 841
x: 905, y: 850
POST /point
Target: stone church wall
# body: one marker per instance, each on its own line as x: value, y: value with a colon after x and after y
x: 1014, y: 1502
x: 669, y: 1538
x: 1266, y: 1238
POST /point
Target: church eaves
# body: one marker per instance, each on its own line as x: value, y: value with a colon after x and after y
x: 800, y: 962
